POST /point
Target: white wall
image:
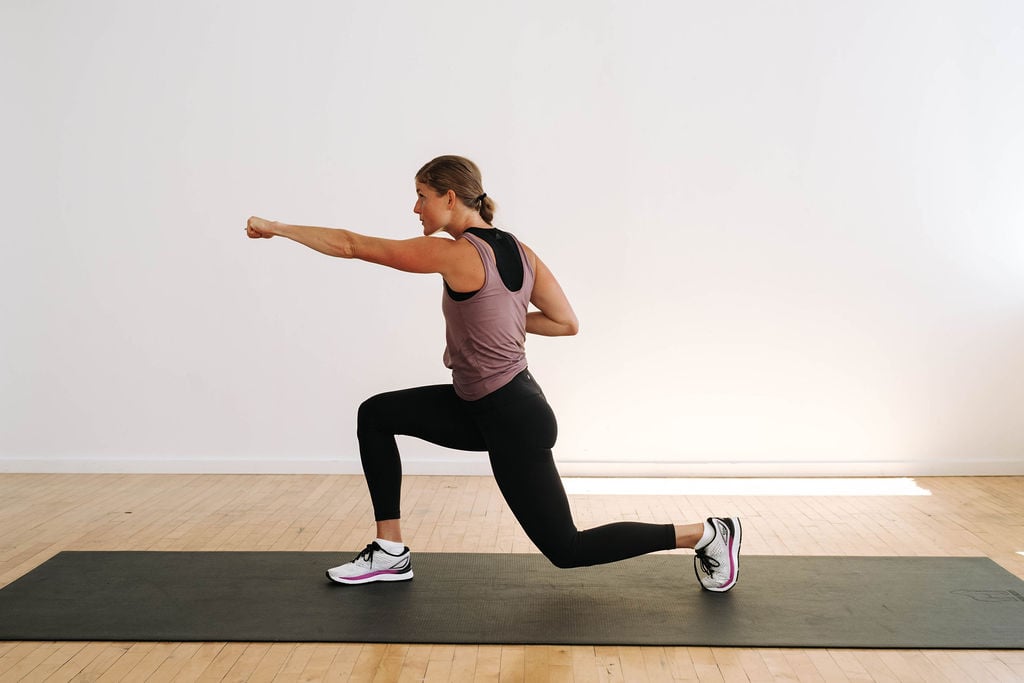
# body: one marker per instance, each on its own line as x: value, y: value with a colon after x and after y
x: 793, y: 231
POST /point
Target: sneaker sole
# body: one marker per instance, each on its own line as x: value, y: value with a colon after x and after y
x: 371, y: 578
x: 734, y: 557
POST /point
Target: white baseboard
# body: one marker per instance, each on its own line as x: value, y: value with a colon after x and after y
x: 947, y: 468
x: 478, y: 466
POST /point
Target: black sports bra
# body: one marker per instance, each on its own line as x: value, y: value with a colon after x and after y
x: 506, y: 257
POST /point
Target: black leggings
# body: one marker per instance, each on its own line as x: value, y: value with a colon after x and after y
x: 516, y: 426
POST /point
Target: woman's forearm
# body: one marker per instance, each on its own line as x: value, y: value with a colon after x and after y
x: 538, y: 323
x: 330, y: 241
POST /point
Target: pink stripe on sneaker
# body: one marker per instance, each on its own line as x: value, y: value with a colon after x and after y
x: 373, y: 574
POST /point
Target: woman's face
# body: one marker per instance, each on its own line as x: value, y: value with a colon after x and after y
x: 431, y: 208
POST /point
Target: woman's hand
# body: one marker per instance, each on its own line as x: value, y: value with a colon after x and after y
x: 260, y: 227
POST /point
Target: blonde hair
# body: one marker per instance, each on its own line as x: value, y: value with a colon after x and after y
x: 461, y: 176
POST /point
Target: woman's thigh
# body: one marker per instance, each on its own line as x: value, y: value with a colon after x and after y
x: 432, y: 413
x: 520, y: 436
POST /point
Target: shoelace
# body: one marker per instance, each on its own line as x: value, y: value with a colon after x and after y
x: 707, y: 564
x: 367, y: 553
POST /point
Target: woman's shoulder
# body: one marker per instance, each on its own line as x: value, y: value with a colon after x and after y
x: 531, y: 256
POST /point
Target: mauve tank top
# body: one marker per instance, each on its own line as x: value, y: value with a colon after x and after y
x: 486, y: 333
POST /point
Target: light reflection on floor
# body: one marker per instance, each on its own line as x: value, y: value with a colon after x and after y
x: 827, y: 486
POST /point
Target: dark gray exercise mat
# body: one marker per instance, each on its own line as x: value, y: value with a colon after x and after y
x: 873, y: 602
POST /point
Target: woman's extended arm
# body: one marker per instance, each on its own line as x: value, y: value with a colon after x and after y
x: 554, y: 317
x: 417, y: 255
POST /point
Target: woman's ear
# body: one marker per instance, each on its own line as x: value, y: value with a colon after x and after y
x: 453, y: 200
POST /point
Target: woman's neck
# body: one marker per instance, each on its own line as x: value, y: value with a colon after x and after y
x: 471, y: 219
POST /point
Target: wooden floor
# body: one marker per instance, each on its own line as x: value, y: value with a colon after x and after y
x: 41, y: 515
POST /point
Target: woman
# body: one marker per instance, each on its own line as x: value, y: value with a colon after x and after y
x: 493, y: 404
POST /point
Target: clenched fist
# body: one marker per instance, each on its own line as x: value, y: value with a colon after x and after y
x: 259, y: 227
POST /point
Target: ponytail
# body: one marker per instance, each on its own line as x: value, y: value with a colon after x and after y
x: 486, y: 207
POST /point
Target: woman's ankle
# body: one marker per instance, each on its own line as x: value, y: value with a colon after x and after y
x: 689, y: 535
x: 390, y: 530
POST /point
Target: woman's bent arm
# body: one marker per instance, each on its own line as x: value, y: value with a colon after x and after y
x: 554, y: 317
x: 539, y: 323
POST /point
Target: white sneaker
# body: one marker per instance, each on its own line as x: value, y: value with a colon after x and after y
x: 718, y: 563
x: 374, y: 564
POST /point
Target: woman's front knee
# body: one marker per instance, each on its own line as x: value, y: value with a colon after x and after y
x: 370, y: 411
x: 370, y: 419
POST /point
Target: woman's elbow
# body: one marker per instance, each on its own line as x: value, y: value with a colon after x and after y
x: 572, y: 328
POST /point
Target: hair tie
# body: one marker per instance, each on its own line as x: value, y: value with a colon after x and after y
x: 481, y: 198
